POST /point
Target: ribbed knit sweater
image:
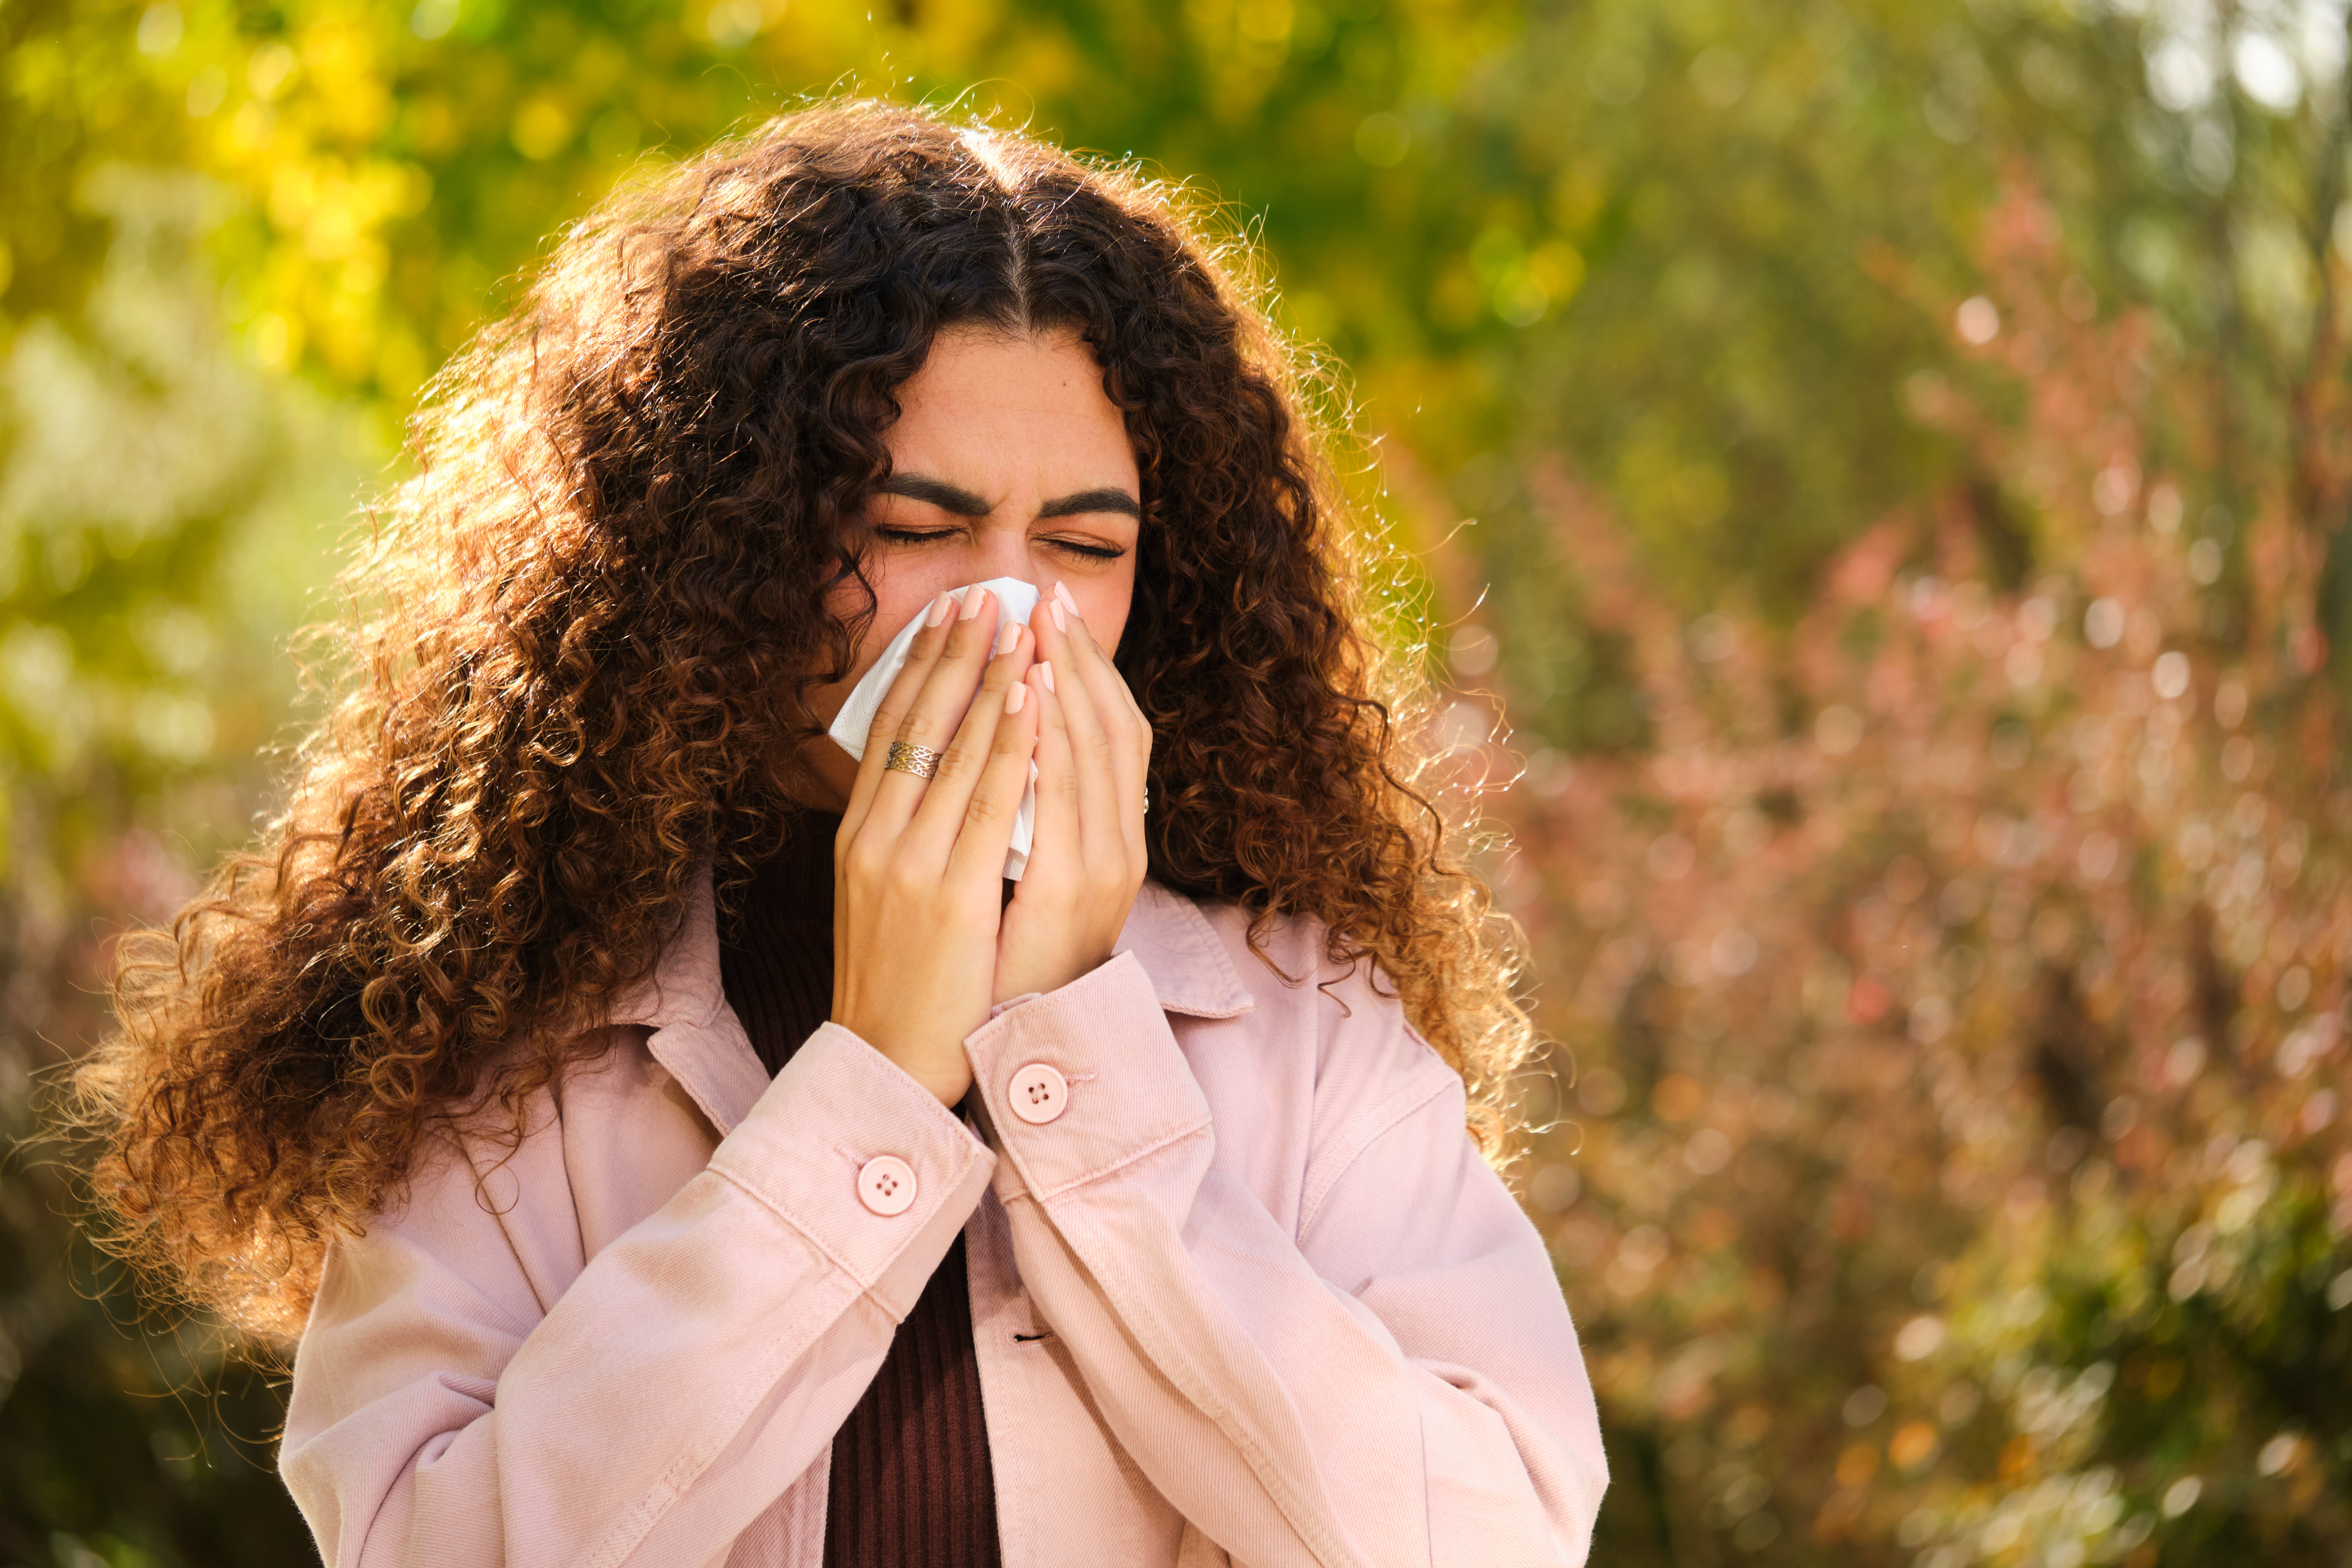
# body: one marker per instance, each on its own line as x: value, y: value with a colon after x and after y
x: 911, y: 1486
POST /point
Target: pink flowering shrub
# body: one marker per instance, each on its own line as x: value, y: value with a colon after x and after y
x: 1948, y: 1163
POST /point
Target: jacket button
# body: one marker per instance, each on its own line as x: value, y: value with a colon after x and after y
x: 1038, y: 1093
x: 886, y: 1183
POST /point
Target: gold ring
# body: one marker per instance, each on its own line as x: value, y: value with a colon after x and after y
x: 906, y: 757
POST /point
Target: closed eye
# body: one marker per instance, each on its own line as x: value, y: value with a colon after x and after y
x: 1091, y: 552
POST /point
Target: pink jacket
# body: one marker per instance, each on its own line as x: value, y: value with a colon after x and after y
x: 1242, y: 1289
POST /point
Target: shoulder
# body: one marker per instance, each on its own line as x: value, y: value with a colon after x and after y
x: 1318, y: 1046
x: 529, y: 1162
x: 1345, y: 1011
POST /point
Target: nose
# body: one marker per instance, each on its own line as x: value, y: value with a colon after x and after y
x: 1005, y: 555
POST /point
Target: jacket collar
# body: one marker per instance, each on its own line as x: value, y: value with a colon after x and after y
x: 1190, y: 968
x: 698, y: 1040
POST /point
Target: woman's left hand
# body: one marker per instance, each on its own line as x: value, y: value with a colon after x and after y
x: 1087, y: 858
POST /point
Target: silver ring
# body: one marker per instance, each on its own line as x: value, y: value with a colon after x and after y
x: 906, y: 757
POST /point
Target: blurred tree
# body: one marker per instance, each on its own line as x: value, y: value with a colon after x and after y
x: 162, y: 509
x: 1955, y: 1169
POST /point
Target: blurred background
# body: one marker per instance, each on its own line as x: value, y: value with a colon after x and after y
x: 1878, y: 473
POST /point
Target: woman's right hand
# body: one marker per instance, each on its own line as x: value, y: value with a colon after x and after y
x: 918, y: 866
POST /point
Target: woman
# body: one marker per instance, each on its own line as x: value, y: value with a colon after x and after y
x: 676, y: 1143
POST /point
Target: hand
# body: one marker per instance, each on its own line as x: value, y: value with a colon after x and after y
x: 918, y: 866
x: 1088, y: 858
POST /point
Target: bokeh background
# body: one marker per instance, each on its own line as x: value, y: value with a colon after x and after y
x: 1876, y: 472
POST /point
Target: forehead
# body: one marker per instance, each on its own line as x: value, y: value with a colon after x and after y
x: 995, y: 401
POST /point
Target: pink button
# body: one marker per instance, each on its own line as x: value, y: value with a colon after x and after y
x: 1038, y: 1094
x: 886, y: 1183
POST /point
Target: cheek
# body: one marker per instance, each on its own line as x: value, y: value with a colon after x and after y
x: 897, y: 598
x: 1105, y: 601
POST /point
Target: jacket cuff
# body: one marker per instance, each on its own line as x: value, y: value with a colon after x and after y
x: 837, y: 1105
x: 1130, y: 1091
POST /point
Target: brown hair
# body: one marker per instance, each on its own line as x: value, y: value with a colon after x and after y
x: 590, y: 620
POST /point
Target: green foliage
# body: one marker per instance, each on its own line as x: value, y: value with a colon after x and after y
x: 1668, y: 295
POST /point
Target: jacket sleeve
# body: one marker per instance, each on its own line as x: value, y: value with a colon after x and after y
x: 443, y: 1416
x: 1396, y: 1381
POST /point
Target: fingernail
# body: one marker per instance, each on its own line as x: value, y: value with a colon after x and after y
x: 939, y: 608
x: 1009, y: 638
x: 1045, y: 673
x: 972, y: 600
x: 1016, y: 697
x: 1062, y: 592
x: 1061, y: 622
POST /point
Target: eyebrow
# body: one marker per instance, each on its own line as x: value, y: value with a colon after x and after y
x: 962, y: 502
x: 939, y: 492
x: 1106, y: 498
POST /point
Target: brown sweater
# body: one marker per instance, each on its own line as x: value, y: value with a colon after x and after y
x: 911, y: 1486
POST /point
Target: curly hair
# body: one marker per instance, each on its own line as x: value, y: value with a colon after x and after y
x: 586, y: 628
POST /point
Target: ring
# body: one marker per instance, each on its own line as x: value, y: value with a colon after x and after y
x: 906, y: 757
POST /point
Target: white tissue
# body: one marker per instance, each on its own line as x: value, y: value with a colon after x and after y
x: 852, y: 725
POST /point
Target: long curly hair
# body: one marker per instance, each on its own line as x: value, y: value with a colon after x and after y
x: 584, y: 634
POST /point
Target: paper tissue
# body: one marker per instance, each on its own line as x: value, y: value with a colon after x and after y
x: 1014, y: 600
